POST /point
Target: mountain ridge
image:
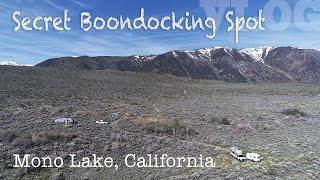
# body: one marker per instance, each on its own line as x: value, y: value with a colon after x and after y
x: 261, y: 64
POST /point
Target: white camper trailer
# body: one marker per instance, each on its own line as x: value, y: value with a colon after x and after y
x: 254, y: 157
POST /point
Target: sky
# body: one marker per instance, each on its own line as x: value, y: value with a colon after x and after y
x: 32, y: 47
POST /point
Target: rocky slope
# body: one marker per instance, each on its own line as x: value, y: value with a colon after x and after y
x: 263, y: 64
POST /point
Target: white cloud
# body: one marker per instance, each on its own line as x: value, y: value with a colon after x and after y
x: 12, y: 63
x: 54, y: 5
x: 79, y: 3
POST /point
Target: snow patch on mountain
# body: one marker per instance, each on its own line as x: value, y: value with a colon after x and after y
x: 207, y: 51
x: 203, y: 53
x: 190, y: 55
x: 174, y: 54
x: 143, y: 58
x: 257, y: 54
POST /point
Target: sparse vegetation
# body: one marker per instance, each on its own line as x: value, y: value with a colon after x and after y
x: 8, y: 135
x: 163, y: 125
x: 32, y: 98
x: 244, y: 128
x: 294, y: 112
x: 225, y: 121
x: 48, y: 137
x: 219, y: 120
x: 214, y: 120
x: 28, y: 139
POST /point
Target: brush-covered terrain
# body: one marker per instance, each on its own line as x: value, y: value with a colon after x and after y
x: 156, y: 114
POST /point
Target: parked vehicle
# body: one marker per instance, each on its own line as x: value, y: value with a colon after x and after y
x: 254, y: 157
x: 237, y: 153
x: 65, y: 121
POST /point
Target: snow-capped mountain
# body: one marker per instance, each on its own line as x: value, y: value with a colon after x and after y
x: 263, y: 64
x: 12, y: 63
x: 257, y: 53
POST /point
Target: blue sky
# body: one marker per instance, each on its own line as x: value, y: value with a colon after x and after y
x: 34, y: 47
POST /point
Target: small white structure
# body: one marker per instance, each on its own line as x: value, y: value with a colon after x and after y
x: 254, y: 157
x: 237, y: 153
x: 101, y: 122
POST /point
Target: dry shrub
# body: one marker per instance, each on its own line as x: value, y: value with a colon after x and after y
x: 245, y: 128
x: 24, y: 139
x: 294, y: 112
x: 45, y: 108
x: 147, y: 121
x: 163, y: 125
x: 214, y: 120
x: 8, y: 135
x: 225, y: 121
x: 219, y: 120
x: 29, y: 139
x: 143, y: 121
x: 48, y: 137
x: 81, y: 114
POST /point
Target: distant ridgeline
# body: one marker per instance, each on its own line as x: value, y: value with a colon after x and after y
x: 264, y: 64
